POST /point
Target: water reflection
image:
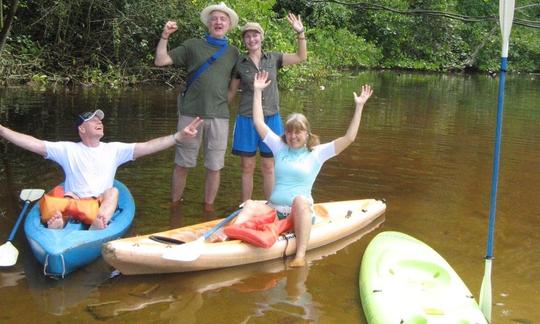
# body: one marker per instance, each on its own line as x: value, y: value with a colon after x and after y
x: 10, y: 278
x: 58, y: 297
x: 281, y: 296
x: 425, y: 145
x: 268, y: 289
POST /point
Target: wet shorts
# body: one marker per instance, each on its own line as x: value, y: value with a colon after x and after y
x: 246, y: 140
x: 214, y: 132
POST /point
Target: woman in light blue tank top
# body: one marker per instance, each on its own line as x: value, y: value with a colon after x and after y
x: 299, y: 158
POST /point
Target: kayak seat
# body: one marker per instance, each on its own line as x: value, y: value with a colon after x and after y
x: 321, y: 214
x: 321, y: 211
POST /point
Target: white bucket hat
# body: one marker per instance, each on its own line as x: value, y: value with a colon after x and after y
x: 219, y: 7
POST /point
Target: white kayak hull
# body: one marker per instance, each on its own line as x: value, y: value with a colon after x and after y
x: 142, y: 255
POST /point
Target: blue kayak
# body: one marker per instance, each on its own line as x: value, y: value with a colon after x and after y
x: 64, y: 251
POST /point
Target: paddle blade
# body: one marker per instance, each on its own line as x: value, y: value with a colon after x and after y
x: 8, y: 254
x: 187, y: 252
x: 506, y: 16
x: 31, y: 195
x: 485, y: 292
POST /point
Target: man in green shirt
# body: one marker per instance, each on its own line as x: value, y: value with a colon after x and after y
x: 205, y: 96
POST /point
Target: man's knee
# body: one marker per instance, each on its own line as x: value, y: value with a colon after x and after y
x: 111, y: 194
x: 109, y: 199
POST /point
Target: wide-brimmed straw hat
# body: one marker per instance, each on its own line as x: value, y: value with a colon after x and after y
x: 219, y: 7
x: 254, y: 27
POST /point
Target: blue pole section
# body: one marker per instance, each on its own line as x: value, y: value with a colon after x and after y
x: 19, y: 220
x: 220, y: 224
x: 496, y: 159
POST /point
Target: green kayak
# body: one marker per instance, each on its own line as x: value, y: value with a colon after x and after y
x: 403, y: 280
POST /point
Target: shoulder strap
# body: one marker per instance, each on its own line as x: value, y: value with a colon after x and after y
x: 204, y: 66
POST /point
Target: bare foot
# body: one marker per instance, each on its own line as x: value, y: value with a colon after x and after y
x: 209, y: 208
x: 99, y: 223
x: 298, y: 262
x: 56, y: 222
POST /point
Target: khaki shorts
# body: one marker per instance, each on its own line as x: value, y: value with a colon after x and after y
x: 214, y: 132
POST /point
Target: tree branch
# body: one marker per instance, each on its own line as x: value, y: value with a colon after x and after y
x: 449, y: 15
x: 4, y: 33
x: 474, y: 55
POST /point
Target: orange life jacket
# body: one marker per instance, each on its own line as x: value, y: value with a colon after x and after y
x: 84, y: 210
x: 260, y: 230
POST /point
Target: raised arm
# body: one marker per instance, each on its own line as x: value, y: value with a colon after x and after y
x: 301, y: 52
x: 343, y: 142
x: 24, y: 141
x: 162, y: 143
x: 162, y: 55
x: 259, y: 83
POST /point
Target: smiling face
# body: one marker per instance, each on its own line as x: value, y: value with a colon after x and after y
x: 297, y: 131
x: 218, y: 24
x: 252, y: 40
x: 296, y: 138
x: 92, y: 129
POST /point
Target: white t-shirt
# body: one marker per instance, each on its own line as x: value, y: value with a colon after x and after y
x: 89, y: 171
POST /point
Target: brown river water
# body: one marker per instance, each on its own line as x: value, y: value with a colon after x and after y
x: 425, y: 145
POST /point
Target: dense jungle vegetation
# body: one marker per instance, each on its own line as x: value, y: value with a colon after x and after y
x: 112, y: 42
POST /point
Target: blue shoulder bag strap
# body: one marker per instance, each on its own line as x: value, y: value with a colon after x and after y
x: 213, y: 41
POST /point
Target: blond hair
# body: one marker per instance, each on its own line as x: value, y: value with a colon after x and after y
x: 298, y: 122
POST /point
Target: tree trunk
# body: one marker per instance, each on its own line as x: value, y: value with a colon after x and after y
x: 6, y: 28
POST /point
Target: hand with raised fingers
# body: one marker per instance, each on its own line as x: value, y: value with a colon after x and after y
x: 366, y: 92
x: 296, y: 23
x: 191, y: 129
x: 261, y: 80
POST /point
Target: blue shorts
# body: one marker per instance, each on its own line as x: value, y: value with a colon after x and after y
x: 246, y: 140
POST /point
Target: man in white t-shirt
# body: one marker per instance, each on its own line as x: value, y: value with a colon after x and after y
x: 90, y: 165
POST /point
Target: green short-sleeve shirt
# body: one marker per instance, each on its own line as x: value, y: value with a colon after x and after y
x: 245, y: 70
x: 207, y: 95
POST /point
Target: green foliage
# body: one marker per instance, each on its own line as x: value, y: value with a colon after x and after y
x: 316, y: 14
x: 112, y: 42
x: 330, y: 49
x: 525, y: 50
x: 101, y: 40
x: 21, y: 60
x: 413, y: 41
x: 343, y: 49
